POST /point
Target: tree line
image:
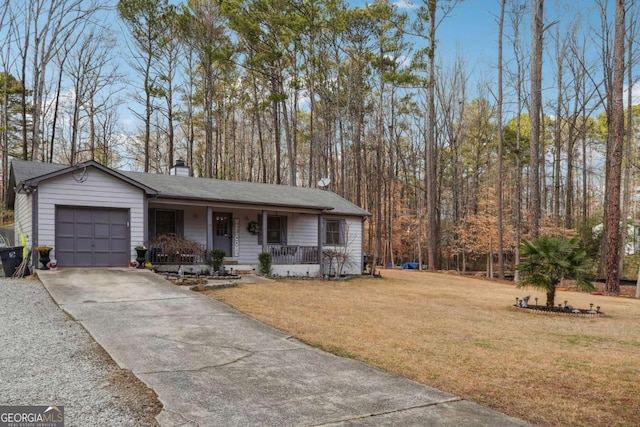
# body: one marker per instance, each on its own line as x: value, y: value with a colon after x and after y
x: 452, y: 164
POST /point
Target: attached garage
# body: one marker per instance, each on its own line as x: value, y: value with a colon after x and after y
x: 91, y: 215
x: 92, y: 237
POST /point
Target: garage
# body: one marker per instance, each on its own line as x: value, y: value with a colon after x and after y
x: 92, y: 237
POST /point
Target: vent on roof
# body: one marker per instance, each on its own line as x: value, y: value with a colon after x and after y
x: 179, y: 169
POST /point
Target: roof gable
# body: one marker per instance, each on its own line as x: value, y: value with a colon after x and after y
x: 33, y: 182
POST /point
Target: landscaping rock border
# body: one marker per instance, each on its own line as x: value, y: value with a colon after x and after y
x: 539, y: 309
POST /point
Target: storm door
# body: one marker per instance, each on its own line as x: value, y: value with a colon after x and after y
x: 222, y: 232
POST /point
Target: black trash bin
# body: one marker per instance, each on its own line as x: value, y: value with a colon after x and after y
x: 11, y: 258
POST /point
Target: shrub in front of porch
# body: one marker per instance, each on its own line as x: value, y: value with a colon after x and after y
x: 265, y: 261
x: 217, y: 259
x: 177, y: 250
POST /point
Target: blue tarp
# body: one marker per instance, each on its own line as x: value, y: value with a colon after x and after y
x: 410, y: 266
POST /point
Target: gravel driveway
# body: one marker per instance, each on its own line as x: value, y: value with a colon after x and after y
x: 46, y: 358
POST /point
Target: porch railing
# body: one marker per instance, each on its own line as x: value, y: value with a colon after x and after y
x: 280, y: 254
x: 287, y: 254
x: 160, y: 255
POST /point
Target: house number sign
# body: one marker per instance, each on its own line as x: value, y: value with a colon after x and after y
x: 236, y: 237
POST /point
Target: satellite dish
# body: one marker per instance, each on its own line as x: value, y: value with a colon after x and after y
x: 324, y: 182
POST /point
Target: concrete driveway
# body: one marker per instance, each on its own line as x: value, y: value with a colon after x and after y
x: 212, y: 366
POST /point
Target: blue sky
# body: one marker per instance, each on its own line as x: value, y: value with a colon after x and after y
x: 470, y: 28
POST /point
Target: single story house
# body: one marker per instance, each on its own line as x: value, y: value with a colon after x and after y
x: 93, y: 215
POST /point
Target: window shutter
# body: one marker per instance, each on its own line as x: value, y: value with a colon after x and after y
x: 324, y: 232
x: 260, y: 228
x: 283, y: 230
x: 343, y: 232
x: 180, y: 223
x: 151, y: 217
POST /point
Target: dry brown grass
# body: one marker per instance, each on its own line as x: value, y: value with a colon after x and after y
x: 460, y: 335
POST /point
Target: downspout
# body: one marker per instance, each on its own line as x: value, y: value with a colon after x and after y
x: 34, y: 222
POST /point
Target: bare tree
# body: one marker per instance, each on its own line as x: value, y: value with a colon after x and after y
x: 516, y: 15
x: 46, y: 26
x: 94, y: 76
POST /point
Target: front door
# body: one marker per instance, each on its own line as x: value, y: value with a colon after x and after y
x: 222, y: 232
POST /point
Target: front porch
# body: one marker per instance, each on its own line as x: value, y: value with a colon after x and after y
x: 173, y: 254
x: 297, y: 241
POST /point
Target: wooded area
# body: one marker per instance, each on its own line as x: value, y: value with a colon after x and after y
x: 452, y: 164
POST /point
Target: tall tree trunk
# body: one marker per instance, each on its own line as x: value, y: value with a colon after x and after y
x: 499, y: 202
x: 430, y: 148
x: 91, y: 116
x: 379, y: 170
x: 585, y: 181
x: 614, y: 155
x: 170, y: 124
x: 148, y: 111
x: 536, y: 106
x: 557, y: 143
x: 258, y: 121
x: 4, y: 146
x: 55, y: 114
x: 626, y: 196
x: 275, y: 105
x: 516, y: 19
x: 208, y: 118
x: 568, y: 198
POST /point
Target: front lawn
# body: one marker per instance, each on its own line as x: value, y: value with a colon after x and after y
x: 460, y: 335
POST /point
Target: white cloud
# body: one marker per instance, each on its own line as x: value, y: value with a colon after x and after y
x: 405, y: 4
x: 635, y: 94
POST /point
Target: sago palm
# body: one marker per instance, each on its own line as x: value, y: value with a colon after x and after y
x: 549, y: 259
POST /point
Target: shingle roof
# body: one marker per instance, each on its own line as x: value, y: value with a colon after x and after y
x: 24, y: 170
x: 216, y: 190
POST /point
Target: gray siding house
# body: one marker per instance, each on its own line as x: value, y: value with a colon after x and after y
x: 93, y: 215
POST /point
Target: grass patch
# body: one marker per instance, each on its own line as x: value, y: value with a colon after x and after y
x: 459, y: 334
x: 485, y: 344
x: 338, y: 351
x: 586, y: 340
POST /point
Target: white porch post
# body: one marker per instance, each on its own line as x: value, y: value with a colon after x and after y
x: 209, y: 228
x: 263, y: 230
